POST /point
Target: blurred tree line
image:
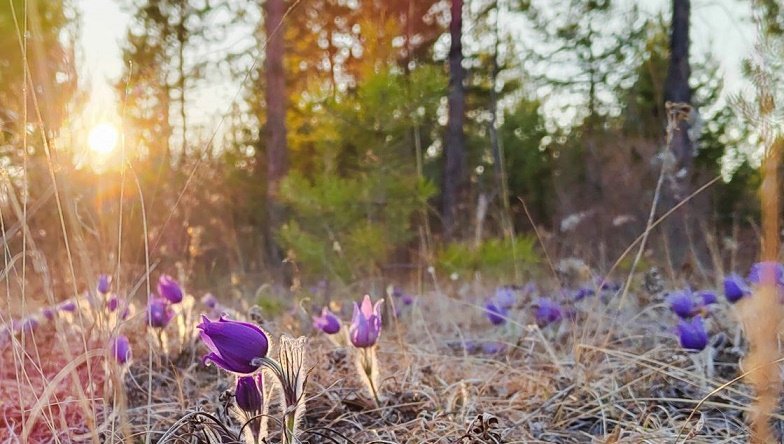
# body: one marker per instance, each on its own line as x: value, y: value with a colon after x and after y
x: 380, y: 137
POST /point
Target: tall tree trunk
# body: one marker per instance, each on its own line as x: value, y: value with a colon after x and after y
x: 454, y: 147
x: 677, y: 90
x: 276, y: 149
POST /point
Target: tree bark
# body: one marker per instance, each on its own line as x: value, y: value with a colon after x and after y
x: 677, y: 90
x: 454, y: 146
x: 275, y: 95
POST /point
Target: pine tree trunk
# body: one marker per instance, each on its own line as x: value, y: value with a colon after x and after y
x: 275, y: 94
x: 677, y: 90
x: 454, y: 147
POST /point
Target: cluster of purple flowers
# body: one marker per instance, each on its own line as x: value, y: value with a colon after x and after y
x: 761, y: 273
x: 546, y: 310
x: 159, y: 308
x: 691, y: 308
x: 365, y: 326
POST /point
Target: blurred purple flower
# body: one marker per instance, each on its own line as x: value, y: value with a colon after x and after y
x: 495, y: 314
x: 407, y: 299
x: 493, y: 348
x: 505, y: 297
x: 583, y: 293
x: 28, y: 324
x: 365, y: 323
x: 48, y: 313
x: 682, y: 304
x: 159, y: 313
x: 112, y: 303
x: 209, y: 301
x: 735, y: 288
x: 770, y: 272
x: 104, y: 283
x: 692, y: 334
x: 169, y: 289
x: 249, y: 395
x: 547, y: 311
x: 234, y: 346
x: 121, y: 349
x: 707, y: 298
x: 69, y: 306
x: 327, y: 322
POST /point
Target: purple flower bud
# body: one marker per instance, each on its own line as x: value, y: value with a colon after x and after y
x: 327, y: 322
x: 69, y: 306
x: 735, y: 288
x: 209, y: 301
x: 767, y: 273
x: 707, y: 298
x: 682, y: 304
x: 493, y: 348
x: 125, y: 312
x: 121, y: 349
x: 233, y: 345
x: 583, y: 293
x: 104, y: 283
x: 28, y: 324
x: 397, y: 292
x: 159, y: 313
x: 249, y: 395
x: 547, y: 312
x: 169, y: 289
x: 692, y: 334
x: 48, y: 313
x: 505, y: 297
x: 112, y: 303
x: 365, y: 323
x: 407, y: 299
x: 495, y: 314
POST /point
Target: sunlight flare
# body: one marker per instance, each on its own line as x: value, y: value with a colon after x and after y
x: 103, y: 138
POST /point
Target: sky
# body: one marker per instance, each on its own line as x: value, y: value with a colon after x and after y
x: 719, y: 26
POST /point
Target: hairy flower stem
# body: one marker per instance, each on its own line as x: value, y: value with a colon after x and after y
x: 369, y: 369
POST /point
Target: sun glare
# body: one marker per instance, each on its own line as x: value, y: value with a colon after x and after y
x: 103, y: 138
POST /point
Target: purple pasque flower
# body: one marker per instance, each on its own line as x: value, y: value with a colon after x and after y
x: 547, y: 311
x: 692, y: 334
x: 120, y: 349
x: 169, y: 289
x: 112, y: 303
x: 104, y: 284
x: 365, y: 323
x: 767, y: 272
x: 327, y: 322
x: 28, y: 324
x: 407, y: 299
x: 209, y: 301
x: 496, y: 314
x: 48, y: 313
x: 682, y: 303
x: 735, y: 288
x: 234, y: 346
x: 69, y: 306
x: 505, y: 297
x: 493, y: 347
x: 249, y: 394
x: 706, y: 297
x: 583, y: 293
x: 159, y: 313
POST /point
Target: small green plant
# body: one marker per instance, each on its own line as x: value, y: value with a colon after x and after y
x: 493, y: 258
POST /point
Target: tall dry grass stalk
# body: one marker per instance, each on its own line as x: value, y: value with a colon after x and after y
x: 762, y: 314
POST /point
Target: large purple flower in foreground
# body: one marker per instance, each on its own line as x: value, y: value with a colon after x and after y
x: 735, y: 288
x: 249, y: 395
x: 495, y: 313
x: 327, y: 322
x: 169, y: 289
x: 159, y: 313
x: 233, y: 345
x: 547, y: 311
x: 365, y: 323
x: 692, y: 334
x: 121, y: 349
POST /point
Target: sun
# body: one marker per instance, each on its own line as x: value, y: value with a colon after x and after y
x: 103, y: 138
